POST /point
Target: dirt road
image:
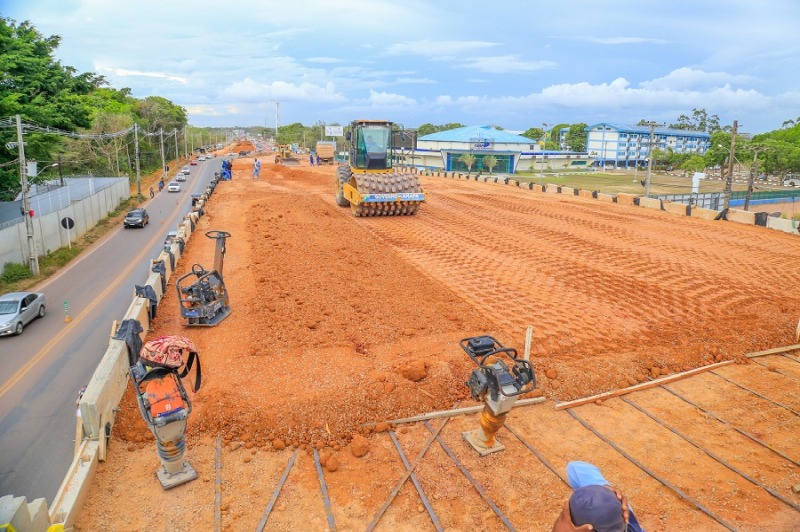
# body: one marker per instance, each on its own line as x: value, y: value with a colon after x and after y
x: 340, y: 321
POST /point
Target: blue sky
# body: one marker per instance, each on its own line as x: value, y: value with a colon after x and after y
x: 513, y: 63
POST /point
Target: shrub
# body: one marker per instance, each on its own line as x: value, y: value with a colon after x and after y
x: 13, y: 272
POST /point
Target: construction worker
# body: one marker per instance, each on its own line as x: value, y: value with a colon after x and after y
x: 594, y: 503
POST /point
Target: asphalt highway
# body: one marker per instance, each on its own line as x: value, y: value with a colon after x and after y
x: 43, y: 369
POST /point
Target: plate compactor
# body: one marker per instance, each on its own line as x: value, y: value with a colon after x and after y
x: 498, y: 381
x: 201, y: 293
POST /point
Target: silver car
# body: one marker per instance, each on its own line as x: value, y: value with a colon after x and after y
x: 17, y: 309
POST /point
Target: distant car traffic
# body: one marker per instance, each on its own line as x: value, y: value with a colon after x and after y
x: 186, y: 170
x: 201, y: 158
x: 180, y: 177
x: 136, y: 218
x: 193, y: 162
x: 174, y: 187
x: 17, y: 309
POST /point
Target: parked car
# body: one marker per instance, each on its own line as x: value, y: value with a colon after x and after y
x: 136, y: 218
x: 180, y: 177
x: 174, y: 187
x: 169, y: 239
x: 17, y: 309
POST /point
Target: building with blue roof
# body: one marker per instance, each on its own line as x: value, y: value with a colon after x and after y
x: 623, y: 146
x: 442, y: 151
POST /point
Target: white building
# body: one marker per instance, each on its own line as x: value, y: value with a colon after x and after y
x: 620, y: 146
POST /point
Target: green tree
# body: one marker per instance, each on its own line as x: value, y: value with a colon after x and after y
x: 576, y: 137
x: 42, y: 91
x: 468, y: 160
x: 695, y: 163
x: 490, y: 161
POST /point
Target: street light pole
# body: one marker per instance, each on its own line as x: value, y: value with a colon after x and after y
x: 652, y: 126
x: 544, y: 144
x: 33, y: 259
x: 138, y: 171
x: 729, y: 181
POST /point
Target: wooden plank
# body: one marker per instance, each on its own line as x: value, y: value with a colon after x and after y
x: 455, y: 412
x: 774, y: 351
x: 642, y: 386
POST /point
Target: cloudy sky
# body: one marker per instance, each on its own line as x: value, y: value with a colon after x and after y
x: 511, y: 63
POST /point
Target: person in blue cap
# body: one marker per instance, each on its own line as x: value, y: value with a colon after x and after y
x: 594, y: 504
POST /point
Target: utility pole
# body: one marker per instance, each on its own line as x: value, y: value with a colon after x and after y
x: 60, y: 171
x: 185, y: 142
x: 136, y: 157
x: 729, y: 181
x: 544, y: 144
x: 753, y: 174
x: 33, y: 259
x: 192, y: 143
x: 277, y: 115
x: 652, y: 126
x: 177, y: 157
x: 163, y: 162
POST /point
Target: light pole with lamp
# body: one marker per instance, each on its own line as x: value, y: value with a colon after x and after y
x: 544, y: 145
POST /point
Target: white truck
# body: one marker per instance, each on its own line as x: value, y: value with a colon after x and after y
x: 791, y: 180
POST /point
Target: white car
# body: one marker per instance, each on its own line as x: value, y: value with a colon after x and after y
x: 201, y: 158
x: 174, y: 187
x: 186, y: 170
x: 180, y: 177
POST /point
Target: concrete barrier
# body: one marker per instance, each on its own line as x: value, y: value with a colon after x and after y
x: 650, y: 203
x: 705, y: 214
x: 537, y: 188
x: 626, y: 199
x: 676, y: 208
x: 609, y: 198
x: 568, y: 191
x: 551, y: 188
x: 586, y: 194
x: 782, y: 224
x: 104, y: 392
x: 742, y: 217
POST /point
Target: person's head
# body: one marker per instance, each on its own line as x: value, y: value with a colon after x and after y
x: 597, y: 506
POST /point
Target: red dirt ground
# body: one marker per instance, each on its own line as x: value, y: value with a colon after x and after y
x: 340, y: 321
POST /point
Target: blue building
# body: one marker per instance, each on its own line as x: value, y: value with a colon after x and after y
x: 443, y: 150
x: 621, y: 146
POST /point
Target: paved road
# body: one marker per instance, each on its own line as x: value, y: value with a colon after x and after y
x: 43, y: 369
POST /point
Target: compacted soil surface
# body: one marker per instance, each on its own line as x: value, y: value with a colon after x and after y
x: 341, y: 324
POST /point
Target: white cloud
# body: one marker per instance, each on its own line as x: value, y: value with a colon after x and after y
x: 685, y: 78
x: 124, y: 73
x: 416, y: 81
x: 438, y: 49
x: 388, y: 99
x: 504, y: 64
x: 625, y: 40
x: 251, y: 91
x: 325, y: 60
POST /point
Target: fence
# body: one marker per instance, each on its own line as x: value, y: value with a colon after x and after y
x: 62, y: 215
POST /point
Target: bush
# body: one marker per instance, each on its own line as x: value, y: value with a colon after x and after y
x: 60, y: 257
x: 13, y: 272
